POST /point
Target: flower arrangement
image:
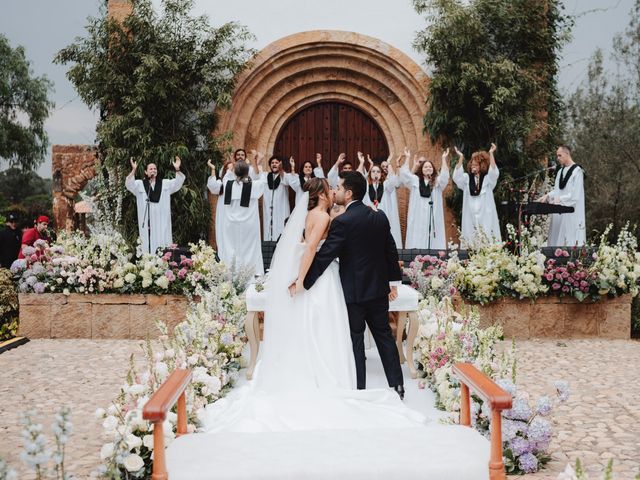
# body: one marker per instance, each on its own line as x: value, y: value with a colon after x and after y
x: 446, y: 337
x: 210, y: 343
x: 430, y: 276
x: 102, y: 263
x: 578, y: 473
x: 617, y: 266
x: 573, y: 278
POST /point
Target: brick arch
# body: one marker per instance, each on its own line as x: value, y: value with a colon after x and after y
x: 329, y: 65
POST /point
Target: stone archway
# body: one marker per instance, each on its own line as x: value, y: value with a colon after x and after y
x: 307, y: 68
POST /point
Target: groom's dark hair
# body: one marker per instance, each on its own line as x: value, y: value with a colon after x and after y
x: 355, y: 182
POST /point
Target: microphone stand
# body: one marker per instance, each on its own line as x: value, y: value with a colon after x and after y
x: 147, y: 218
x: 431, y: 222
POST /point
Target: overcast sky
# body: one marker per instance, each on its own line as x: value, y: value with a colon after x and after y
x: 45, y: 26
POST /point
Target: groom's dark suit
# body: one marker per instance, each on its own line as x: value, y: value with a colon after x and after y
x: 362, y: 240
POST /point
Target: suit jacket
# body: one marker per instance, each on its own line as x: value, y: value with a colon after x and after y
x: 361, y: 239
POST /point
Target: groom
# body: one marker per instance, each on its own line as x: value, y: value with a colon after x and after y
x: 369, y: 272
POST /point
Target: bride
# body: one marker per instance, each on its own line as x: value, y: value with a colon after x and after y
x: 306, y: 378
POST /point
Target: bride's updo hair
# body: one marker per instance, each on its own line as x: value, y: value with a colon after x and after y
x: 316, y: 187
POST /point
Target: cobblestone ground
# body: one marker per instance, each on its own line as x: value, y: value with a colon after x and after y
x: 601, y: 420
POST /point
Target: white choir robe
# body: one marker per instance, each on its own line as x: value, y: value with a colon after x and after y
x: 333, y: 177
x: 389, y: 205
x: 294, y: 181
x: 159, y: 213
x: 420, y: 212
x: 238, y: 228
x: 568, y: 229
x: 478, y: 212
x: 275, y: 205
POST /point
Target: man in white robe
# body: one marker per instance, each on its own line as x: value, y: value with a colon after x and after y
x: 238, y: 219
x: 567, y: 229
x: 153, y: 201
x: 479, y: 213
x: 341, y: 165
x: 275, y: 202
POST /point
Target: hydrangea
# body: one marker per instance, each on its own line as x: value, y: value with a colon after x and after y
x: 519, y: 446
x: 520, y: 410
x: 539, y: 432
x: 528, y: 463
x: 544, y: 406
x: 562, y: 388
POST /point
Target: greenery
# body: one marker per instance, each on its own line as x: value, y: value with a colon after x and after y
x: 158, y: 80
x: 8, y: 306
x: 25, y: 194
x: 493, y: 67
x: 24, y: 107
x: 603, y: 125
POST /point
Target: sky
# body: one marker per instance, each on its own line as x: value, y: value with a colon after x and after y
x: 43, y: 27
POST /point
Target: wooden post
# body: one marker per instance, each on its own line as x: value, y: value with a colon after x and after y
x: 496, y: 465
x: 465, y: 406
x: 159, y: 469
x: 182, y: 415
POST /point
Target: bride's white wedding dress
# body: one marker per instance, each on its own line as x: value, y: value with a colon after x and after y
x: 302, y: 418
x: 306, y: 377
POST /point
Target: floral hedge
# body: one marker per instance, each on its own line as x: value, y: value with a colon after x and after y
x: 493, y: 271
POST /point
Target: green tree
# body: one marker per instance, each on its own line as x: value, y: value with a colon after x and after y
x: 158, y: 80
x: 603, y: 126
x: 24, y: 107
x: 493, y: 77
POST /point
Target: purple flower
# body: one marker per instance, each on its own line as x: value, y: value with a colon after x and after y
x: 17, y: 265
x: 226, y: 338
x: 39, y: 287
x: 539, y: 433
x: 562, y: 388
x: 528, y: 463
x: 519, y: 446
x: 520, y: 410
x: 507, y: 385
x: 31, y: 280
x: 544, y: 406
x: 511, y: 428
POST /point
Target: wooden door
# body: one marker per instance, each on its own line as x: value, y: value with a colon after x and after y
x: 330, y: 128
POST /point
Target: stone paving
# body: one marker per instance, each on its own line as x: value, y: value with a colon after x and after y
x: 601, y: 420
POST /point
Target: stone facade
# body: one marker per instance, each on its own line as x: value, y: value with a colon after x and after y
x: 555, y: 317
x: 329, y: 65
x: 98, y: 316
x: 72, y: 167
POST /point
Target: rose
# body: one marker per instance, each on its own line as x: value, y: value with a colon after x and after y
x: 133, y: 463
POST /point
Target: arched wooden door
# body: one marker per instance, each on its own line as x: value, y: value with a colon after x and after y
x: 330, y: 128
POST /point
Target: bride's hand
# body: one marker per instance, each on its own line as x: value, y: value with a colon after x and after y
x: 296, y: 287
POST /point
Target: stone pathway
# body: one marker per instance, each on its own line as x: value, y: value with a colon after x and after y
x: 601, y: 420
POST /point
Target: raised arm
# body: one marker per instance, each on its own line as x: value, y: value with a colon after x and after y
x: 459, y: 177
x: 443, y: 176
x: 130, y: 181
x: 213, y: 183
x: 494, y: 173
x: 361, y: 164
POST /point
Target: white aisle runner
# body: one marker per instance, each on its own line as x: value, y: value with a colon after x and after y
x: 433, y: 451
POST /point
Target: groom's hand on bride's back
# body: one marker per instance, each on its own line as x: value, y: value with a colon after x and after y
x: 393, y: 294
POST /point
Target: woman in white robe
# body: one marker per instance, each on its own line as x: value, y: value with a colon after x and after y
x: 154, y: 217
x: 425, y: 218
x: 238, y: 226
x: 567, y: 229
x: 307, y: 172
x: 381, y: 194
x: 479, y: 214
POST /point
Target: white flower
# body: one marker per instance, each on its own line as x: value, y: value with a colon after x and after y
x: 118, y: 283
x: 100, y: 413
x: 106, y: 451
x: 147, y: 441
x: 162, y: 282
x: 169, y: 353
x: 136, y: 389
x: 112, y: 410
x: 133, y: 441
x: 110, y: 423
x: 130, y: 277
x: 133, y: 463
x: 162, y: 369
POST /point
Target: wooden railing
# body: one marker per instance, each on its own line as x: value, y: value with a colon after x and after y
x: 472, y: 379
x: 156, y: 409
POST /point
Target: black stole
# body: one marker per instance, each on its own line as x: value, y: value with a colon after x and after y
x: 425, y: 188
x: 375, y: 194
x: 153, y: 193
x: 564, y: 180
x: 245, y: 196
x: 273, y: 184
x: 474, y: 189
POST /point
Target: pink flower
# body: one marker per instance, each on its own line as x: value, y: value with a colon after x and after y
x: 170, y: 276
x: 558, y: 252
x: 565, y: 253
x: 182, y: 273
x: 583, y: 284
x: 549, y: 276
x: 565, y: 289
x: 555, y: 286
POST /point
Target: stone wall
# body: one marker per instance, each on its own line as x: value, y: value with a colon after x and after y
x: 555, y: 317
x: 72, y: 167
x: 98, y: 316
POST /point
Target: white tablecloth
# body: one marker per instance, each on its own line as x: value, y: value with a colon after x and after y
x: 407, y: 300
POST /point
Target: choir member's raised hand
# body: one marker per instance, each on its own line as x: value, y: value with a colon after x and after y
x: 319, y: 160
x: 369, y: 161
x: 341, y: 158
x: 407, y: 153
x: 176, y: 163
x: 493, y: 148
x: 459, y: 153
x: 134, y: 166
x: 292, y: 164
x: 213, y: 168
x: 445, y: 155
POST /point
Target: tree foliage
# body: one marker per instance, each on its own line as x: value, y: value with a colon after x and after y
x: 493, y: 70
x: 158, y: 80
x: 603, y: 126
x: 24, y: 107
